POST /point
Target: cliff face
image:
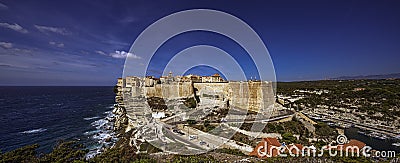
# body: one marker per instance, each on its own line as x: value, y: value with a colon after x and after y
x: 121, y: 120
x: 133, y: 106
x: 172, y: 90
x: 140, y: 103
x: 251, y: 95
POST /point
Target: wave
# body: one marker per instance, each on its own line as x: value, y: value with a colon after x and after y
x: 99, y: 123
x: 91, y: 132
x: 33, y: 131
x: 90, y: 118
x: 103, y: 134
x: 108, y: 113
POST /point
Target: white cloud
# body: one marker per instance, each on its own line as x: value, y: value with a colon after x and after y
x: 128, y: 19
x: 46, y: 29
x: 3, y: 7
x: 123, y: 54
x: 7, y: 48
x: 14, y: 27
x: 22, y: 50
x: 100, y: 52
x: 60, y: 45
x: 6, y: 45
x: 118, y: 54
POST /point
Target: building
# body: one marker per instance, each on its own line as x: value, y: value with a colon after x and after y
x: 295, y: 149
x: 132, y: 81
x: 350, y: 147
x: 206, y: 79
x: 358, y: 89
x: 216, y: 78
x: 149, y: 81
x: 195, y: 78
x: 121, y: 82
x: 167, y: 79
x: 268, y: 146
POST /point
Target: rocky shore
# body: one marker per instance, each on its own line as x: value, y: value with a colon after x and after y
x: 121, y: 120
x: 104, y: 135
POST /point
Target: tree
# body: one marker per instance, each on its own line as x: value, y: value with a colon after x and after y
x: 288, y: 138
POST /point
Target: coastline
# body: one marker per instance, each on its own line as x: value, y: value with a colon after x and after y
x: 115, y: 135
x: 104, y: 136
x: 45, y: 115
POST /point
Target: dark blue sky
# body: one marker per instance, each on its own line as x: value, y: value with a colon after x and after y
x: 84, y: 42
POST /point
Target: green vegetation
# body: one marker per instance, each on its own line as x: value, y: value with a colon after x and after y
x: 148, y: 148
x: 369, y: 96
x: 294, y: 127
x: 122, y: 152
x: 287, y: 129
x: 324, y: 131
x: 206, y: 127
x: 157, y: 104
x: 239, y: 137
x: 320, y: 144
x: 190, y: 102
x: 115, y: 89
x: 62, y: 152
x: 288, y: 138
x: 191, y: 122
x: 23, y: 154
x: 210, y: 96
x: 229, y: 151
x: 192, y: 159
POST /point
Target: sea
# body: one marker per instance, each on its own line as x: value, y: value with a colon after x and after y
x: 376, y: 144
x: 47, y: 115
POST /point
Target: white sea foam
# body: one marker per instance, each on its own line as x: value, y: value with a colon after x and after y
x: 33, y: 131
x: 108, y: 113
x: 103, y: 133
x: 90, y: 118
x: 99, y: 123
x: 101, y: 136
x: 91, y: 132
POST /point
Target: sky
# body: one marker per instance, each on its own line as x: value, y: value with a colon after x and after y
x: 85, y: 42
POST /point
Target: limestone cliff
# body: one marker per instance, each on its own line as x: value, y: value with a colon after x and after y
x: 121, y: 120
x: 250, y: 95
x: 142, y: 102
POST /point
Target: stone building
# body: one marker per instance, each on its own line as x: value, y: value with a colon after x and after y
x: 149, y: 81
x: 212, y: 79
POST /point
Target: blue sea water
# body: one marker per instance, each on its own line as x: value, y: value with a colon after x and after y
x: 45, y: 115
x: 377, y: 144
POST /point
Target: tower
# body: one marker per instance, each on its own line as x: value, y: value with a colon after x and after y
x: 170, y: 74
